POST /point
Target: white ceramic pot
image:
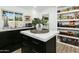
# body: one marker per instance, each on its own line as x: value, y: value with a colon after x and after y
x: 39, y: 27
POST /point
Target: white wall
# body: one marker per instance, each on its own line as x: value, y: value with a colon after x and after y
x: 35, y: 13
x: 52, y: 17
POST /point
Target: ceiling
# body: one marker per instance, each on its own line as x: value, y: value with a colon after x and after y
x: 38, y: 8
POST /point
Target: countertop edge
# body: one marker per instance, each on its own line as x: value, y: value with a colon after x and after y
x: 39, y: 38
x: 3, y: 30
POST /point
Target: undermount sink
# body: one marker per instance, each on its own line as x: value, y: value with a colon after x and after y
x: 39, y: 32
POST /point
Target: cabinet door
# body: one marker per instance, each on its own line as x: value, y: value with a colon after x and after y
x: 3, y: 39
x: 33, y: 45
x: 38, y: 46
x: 26, y: 48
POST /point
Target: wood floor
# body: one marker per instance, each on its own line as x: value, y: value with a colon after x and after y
x: 17, y: 51
x: 62, y: 48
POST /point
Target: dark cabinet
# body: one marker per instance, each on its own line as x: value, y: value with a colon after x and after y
x: 10, y: 40
x: 31, y: 45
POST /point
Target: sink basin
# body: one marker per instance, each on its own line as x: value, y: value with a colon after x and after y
x: 39, y: 32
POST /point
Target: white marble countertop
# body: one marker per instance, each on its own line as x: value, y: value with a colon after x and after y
x: 42, y: 37
x: 11, y: 29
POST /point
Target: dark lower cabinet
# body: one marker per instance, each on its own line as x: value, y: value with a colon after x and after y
x: 10, y: 41
x: 31, y: 45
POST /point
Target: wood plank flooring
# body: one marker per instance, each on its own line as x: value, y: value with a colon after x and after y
x: 17, y: 51
x: 62, y: 48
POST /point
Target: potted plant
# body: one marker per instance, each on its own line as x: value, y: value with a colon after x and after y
x: 37, y: 23
x: 45, y: 22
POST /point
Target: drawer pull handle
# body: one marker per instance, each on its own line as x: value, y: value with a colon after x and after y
x: 35, y: 42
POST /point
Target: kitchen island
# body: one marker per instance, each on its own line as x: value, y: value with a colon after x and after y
x: 39, y: 43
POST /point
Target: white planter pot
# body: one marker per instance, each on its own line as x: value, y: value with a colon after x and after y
x: 39, y: 27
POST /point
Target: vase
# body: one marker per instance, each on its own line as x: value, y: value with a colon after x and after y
x: 39, y: 27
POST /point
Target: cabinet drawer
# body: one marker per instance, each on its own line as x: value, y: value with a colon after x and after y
x: 37, y: 42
